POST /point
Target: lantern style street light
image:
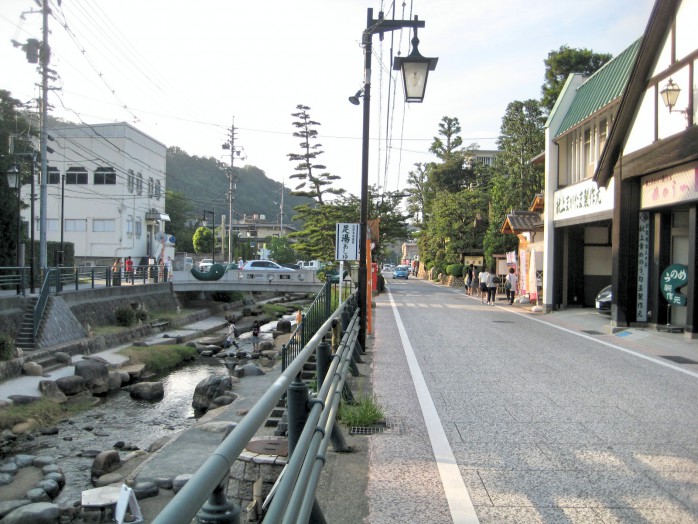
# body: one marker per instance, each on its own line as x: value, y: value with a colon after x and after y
x: 415, y: 70
x: 13, y: 182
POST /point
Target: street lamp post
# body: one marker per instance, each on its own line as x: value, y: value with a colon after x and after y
x: 415, y: 69
x: 204, y: 223
x: 13, y: 182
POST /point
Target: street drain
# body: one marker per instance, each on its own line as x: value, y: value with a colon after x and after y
x: 502, y: 321
x: 679, y: 360
x: 591, y: 332
x: 392, y: 426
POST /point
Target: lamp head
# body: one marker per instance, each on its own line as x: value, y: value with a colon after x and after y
x: 12, y: 175
x: 415, y: 71
x: 670, y: 94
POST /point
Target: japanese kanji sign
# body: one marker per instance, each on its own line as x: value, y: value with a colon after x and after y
x: 673, y: 278
x: 348, y: 242
x: 643, y: 263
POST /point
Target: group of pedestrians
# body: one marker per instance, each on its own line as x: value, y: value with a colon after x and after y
x: 486, y: 283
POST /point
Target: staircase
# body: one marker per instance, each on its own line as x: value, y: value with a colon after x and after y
x: 25, y: 337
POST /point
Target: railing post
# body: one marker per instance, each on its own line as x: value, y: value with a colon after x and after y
x: 297, y: 407
x: 218, y: 509
x: 323, y: 355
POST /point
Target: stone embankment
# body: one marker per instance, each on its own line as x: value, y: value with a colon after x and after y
x: 29, y: 484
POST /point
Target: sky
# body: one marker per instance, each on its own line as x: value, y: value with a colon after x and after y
x: 183, y: 72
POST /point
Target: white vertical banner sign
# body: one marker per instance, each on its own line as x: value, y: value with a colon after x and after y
x: 347, y: 242
x: 643, y: 262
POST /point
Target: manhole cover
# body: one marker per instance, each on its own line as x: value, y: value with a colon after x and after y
x: 393, y: 426
x: 591, y: 332
x: 269, y: 447
x: 679, y: 360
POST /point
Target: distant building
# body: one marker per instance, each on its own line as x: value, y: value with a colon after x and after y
x: 109, y: 182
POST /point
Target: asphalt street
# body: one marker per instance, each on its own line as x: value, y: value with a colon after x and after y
x: 509, y: 416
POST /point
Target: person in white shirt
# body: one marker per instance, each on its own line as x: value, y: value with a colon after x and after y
x: 491, y: 287
x: 483, y: 285
x: 510, y: 285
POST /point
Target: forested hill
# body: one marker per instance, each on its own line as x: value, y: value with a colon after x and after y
x: 204, y: 182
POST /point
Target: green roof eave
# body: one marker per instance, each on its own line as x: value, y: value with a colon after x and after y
x: 604, y: 86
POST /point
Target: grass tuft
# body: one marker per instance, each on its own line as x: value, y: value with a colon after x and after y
x: 45, y: 412
x: 364, y: 412
x: 159, y: 358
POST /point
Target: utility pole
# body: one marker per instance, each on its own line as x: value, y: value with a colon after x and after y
x: 281, y: 210
x: 43, y: 206
x: 230, y: 144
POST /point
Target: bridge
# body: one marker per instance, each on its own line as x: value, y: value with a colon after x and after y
x: 300, y: 281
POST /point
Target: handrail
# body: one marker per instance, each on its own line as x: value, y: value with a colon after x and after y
x: 315, y: 315
x: 40, y: 305
x: 295, y: 494
x: 214, y: 471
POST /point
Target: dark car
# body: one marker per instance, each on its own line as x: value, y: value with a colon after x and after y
x: 292, y: 266
x: 603, y: 300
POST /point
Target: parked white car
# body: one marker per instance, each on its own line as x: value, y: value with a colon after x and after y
x: 264, y: 265
x: 205, y: 264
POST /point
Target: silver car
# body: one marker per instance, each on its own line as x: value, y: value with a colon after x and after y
x: 263, y: 265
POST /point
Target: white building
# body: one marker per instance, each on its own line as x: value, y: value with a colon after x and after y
x: 108, y: 180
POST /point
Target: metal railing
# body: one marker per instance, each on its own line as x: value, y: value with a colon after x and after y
x: 316, y: 314
x: 308, y: 438
x: 15, y: 279
x: 44, y: 293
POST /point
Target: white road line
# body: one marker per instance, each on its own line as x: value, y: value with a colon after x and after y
x: 459, y: 501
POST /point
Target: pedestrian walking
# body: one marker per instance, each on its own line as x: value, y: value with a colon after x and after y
x: 469, y: 280
x: 233, y: 334
x: 491, y: 287
x: 510, y: 285
x: 483, y: 276
x: 116, y: 272
x: 128, y: 268
x: 168, y: 268
x: 255, y: 336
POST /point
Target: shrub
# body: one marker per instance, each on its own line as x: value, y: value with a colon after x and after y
x: 142, y: 315
x: 228, y: 296
x: 160, y: 358
x: 454, y: 270
x: 125, y: 316
x: 7, y: 347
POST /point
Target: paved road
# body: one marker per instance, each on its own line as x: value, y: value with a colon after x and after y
x: 509, y: 416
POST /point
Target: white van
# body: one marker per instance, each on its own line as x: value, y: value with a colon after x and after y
x: 315, y: 265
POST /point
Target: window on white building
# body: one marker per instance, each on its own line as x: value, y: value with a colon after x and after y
x: 129, y: 225
x: 75, y: 224
x: 139, y: 228
x: 76, y: 175
x: 52, y: 224
x: 130, y: 181
x: 158, y: 189
x: 54, y: 176
x: 139, y: 184
x: 150, y: 187
x: 104, y: 176
x: 100, y: 225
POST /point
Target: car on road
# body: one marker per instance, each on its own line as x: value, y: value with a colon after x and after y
x: 205, y: 264
x: 291, y: 266
x: 263, y: 265
x: 401, y: 272
x: 188, y: 263
x: 603, y: 300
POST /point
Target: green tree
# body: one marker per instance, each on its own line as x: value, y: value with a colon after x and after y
x: 15, y: 129
x: 203, y: 241
x: 316, y: 241
x: 561, y: 63
x: 180, y: 209
x: 420, y: 194
x: 314, y: 182
x: 281, y: 250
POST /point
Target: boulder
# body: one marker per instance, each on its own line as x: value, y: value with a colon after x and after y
x: 32, y: 369
x: 115, y: 380
x: 50, y: 486
x: 250, y: 370
x: 109, y: 478
x: 147, y: 391
x: 27, y: 426
x: 144, y: 489
x: 223, y: 400
x: 50, y: 390
x: 63, y: 358
x: 266, y: 345
x: 284, y: 325
x: 23, y: 400
x: 37, y: 495
x: 96, y: 375
x: 106, y: 462
x: 8, y: 506
x: 72, y: 385
x: 208, y: 389
x: 37, y: 513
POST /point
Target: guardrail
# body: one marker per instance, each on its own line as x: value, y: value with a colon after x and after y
x: 14, y: 278
x: 44, y: 293
x: 316, y: 314
x: 309, y: 432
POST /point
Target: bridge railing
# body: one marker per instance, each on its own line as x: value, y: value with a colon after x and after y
x: 14, y: 279
x: 315, y: 315
x: 207, y: 487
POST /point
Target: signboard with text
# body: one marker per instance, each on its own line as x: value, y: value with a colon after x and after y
x: 673, y: 278
x: 347, y: 242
